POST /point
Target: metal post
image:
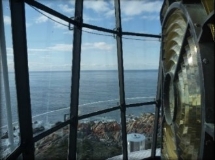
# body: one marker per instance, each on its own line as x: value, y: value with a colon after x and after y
x: 121, y: 78
x: 158, y: 106
x: 5, y: 76
x: 157, y: 115
x: 75, y: 80
x: 22, y: 77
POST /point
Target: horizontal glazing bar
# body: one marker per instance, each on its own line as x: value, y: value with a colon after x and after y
x: 141, y: 34
x: 98, y: 112
x: 15, y: 154
x: 50, y: 131
x: 65, y: 18
x: 140, y: 104
x: 44, y: 8
x: 74, y: 22
x: 63, y: 124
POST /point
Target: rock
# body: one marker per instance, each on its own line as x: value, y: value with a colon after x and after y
x: 112, y: 126
x: 94, y: 138
x: 84, y: 127
x: 38, y: 129
x: 116, y: 136
x: 99, y: 129
x: 5, y: 135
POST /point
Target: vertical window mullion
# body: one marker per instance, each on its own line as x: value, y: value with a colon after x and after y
x: 121, y: 78
x: 22, y: 77
x: 157, y: 109
x: 77, y: 35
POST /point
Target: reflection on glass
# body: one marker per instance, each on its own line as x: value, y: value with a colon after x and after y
x: 189, y: 106
x: 99, y: 137
x: 171, y: 101
x: 169, y: 144
x: 9, y: 127
x: 5, y: 146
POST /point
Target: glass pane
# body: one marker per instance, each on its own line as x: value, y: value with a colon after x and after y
x: 99, y: 76
x: 140, y: 129
x: 141, y: 69
x: 49, y: 61
x: 64, y: 7
x: 99, y: 13
x: 9, y: 127
x: 141, y: 16
x: 99, y: 137
x: 53, y: 146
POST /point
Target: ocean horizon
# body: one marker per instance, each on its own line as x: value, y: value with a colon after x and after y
x: 99, y: 89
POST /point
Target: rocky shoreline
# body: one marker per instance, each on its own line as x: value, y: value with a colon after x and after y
x: 96, y: 139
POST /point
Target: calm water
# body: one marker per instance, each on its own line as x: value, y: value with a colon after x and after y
x: 50, y: 93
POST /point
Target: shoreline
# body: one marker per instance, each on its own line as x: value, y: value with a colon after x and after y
x: 95, y: 133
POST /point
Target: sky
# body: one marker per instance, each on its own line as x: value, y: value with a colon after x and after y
x: 50, y: 43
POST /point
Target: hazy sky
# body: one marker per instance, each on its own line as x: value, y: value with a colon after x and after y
x: 50, y: 43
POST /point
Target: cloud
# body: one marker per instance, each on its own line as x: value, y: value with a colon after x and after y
x: 7, y: 20
x: 126, y: 19
x: 28, y: 24
x: 98, y: 66
x: 87, y: 18
x: 65, y: 8
x: 37, y: 50
x: 72, y: 2
x: 97, y: 6
x: 46, y: 57
x: 110, y: 13
x: 61, y: 47
x: 40, y: 66
x: 97, y: 45
x: 132, y: 8
x: 103, y: 46
x: 102, y: 6
x: 57, y: 47
x: 41, y: 19
x: 30, y: 50
x: 68, y: 32
x: 150, y: 17
x: 44, y: 18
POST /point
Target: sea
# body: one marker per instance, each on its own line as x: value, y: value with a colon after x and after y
x: 51, y: 91
x: 99, y: 89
